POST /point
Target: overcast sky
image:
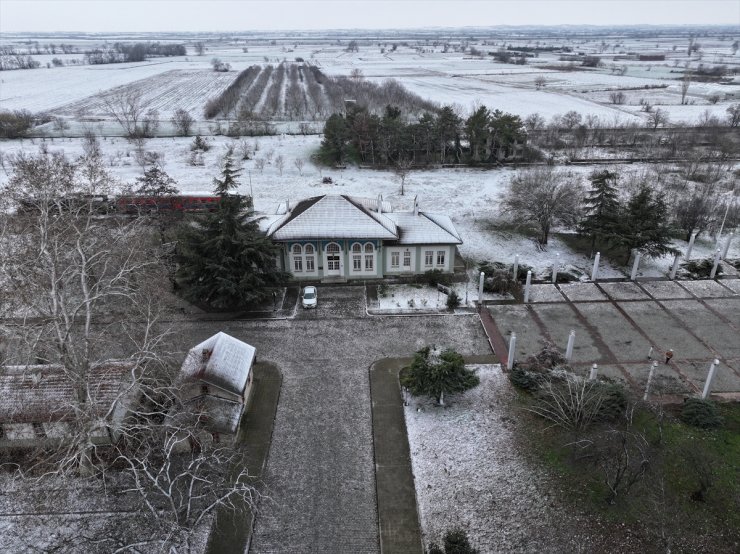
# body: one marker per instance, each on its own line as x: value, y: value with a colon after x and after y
x: 247, y: 15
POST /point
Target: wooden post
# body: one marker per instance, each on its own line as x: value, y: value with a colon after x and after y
x: 713, y: 273
x: 526, y: 287
x: 512, y: 348
x: 649, y: 380
x: 690, y: 247
x: 710, y: 377
x: 635, y: 265
x: 595, y: 270
x: 569, y: 348
x: 674, y: 268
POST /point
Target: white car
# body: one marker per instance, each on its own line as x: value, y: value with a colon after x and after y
x: 309, y: 298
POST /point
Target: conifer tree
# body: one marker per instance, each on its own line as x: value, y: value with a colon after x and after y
x: 644, y: 225
x: 224, y: 260
x: 433, y: 373
x: 156, y: 182
x: 601, y: 208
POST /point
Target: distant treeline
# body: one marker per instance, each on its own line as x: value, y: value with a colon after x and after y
x: 136, y: 52
x: 442, y: 137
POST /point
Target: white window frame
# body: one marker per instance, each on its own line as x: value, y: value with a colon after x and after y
x: 369, y: 263
x: 395, y: 259
x: 441, y: 255
x: 428, y: 258
x: 407, y: 258
x: 356, y: 263
x: 310, y: 265
x: 297, y: 264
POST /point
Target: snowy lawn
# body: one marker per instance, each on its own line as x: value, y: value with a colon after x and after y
x: 468, y: 471
x: 424, y: 297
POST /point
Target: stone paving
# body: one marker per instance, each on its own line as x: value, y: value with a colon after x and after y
x: 616, y: 323
x: 320, y: 472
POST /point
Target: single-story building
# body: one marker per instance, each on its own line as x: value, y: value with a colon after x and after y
x: 216, y: 380
x: 37, y: 403
x: 339, y: 238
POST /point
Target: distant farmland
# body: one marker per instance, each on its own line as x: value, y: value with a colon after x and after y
x: 292, y: 92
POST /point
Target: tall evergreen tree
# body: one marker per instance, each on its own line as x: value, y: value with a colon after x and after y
x: 477, y: 130
x: 448, y: 130
x: 601, y: 208
x: 336, y: 134
x: 435, y: 374
x: 156, y: 182
x: 644, y: 225
x: 224, y: 260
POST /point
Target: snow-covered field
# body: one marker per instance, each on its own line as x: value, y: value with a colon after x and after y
x: 452, y: 77
x: 471, y: 197
x: 469, y: 473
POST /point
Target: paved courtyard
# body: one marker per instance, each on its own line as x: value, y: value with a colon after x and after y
x: 320, y: 470
x: 617, y: 323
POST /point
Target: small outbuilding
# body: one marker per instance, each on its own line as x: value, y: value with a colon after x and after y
x: 216, y: 379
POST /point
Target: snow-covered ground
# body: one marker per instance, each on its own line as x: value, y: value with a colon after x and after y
x: 471, y: 197
x: 424, y: 297
x: 469, y: 473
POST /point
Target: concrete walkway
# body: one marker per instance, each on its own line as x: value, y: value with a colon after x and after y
x: 233, y: 529
x: 398, y: 519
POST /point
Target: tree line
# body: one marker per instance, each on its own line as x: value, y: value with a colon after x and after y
x: 136, y: 52
x: 436, y: 137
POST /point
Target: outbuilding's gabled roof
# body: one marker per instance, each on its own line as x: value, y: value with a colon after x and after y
x: 332, y: 217
x: 221, y: 361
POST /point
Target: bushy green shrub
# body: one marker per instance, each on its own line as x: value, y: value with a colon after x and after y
x: 434, y: 276
x: 502, y: 283
x: 489, y: 268
x: 456, y: 542
x: 700, y: 269
x: 453, y: 300
x: 701, y: 413
x: 523, y: 379
x: 613, y: 402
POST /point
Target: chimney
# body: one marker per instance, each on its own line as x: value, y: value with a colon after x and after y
x: 416, y: 205
x: 380, y: 203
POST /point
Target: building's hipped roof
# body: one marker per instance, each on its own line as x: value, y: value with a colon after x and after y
x: 333, y: 217
x: 226, y: 365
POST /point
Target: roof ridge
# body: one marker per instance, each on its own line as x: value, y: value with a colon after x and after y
x: 453, y: 235
x: 298, y: 210
x: 367, y: 212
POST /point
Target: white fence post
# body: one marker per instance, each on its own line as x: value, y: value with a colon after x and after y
x: 710, y: 377
x: 649, y: 380
x: 690, y: 247
x: 594, y: 371
x: 512, y: 348
x: 595, y: 270
x: 516, y: 267
x: 569, y: 348
x: 480, y: 287
x: 674, y: 268
x: 526, y: 287
x: 554, y: 273
x: 713, y: 273
x: 635, y: 265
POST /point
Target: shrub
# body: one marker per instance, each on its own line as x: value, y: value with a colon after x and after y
x: 456, y: 542
x: 523, y: 379
x: 453, y: 300
x: 613, y: 402
x: 15, y: 124
x: 700, y: 413
x: 502, y: 283
x: 700, y: 269
x: 200, y: 144
x: 434, y: 276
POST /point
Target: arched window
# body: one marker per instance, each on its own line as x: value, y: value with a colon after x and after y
x: 332, y: 248
x: 296, y: 249
x: 369, y: 257
x: 309, y: 248
x: 356, y: 248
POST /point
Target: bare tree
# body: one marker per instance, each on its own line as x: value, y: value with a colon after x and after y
x: 259, y: 164
x: 685, y: 83
x: 60, y: 125
x: 356, y: 75
x: 544, y: 196
x: 280, y: 163
x: 200, y: 48
x: 299, y: 163
x: 402, y: 168
x: 657, y: 118
x: 125, y: 107
x: 617, y: 97
x: 540, y: 82
x: 183, y: 122
x: 733, y: 115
